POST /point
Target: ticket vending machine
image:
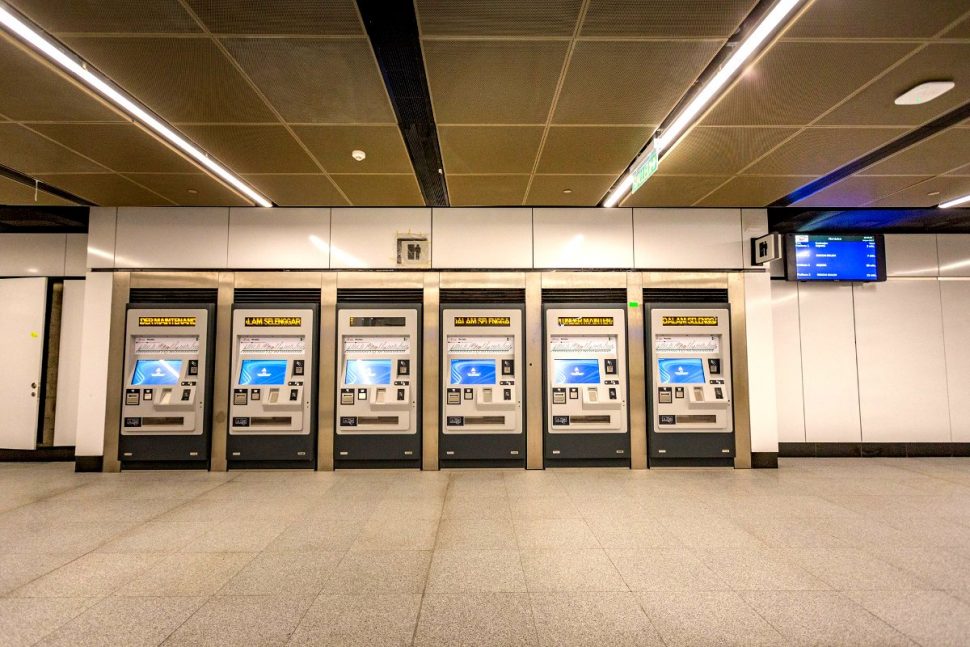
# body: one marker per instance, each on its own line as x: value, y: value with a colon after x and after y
x: 482, y: 385
x: 585, y: 371
x: 167, y: 394
x: 378, y: 408
x: 691, y: 418
x: 272, y: 412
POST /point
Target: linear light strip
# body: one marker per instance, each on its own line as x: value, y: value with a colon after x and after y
x: 956, y: 202
x: 68, y: 63
x: 702, y: 99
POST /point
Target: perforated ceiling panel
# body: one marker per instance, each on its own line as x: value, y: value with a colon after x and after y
x: 878, y: 18
x: 665, y: 18
x: 322, y: 17
x: 722, y: 150
x: 108, y: 16
x: 490, y: 149
x: 817, y: 151
x: 497, y: 17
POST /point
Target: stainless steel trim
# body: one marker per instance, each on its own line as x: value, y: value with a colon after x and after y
x: 120, y: 285
x: 328, y: 362
x: 175, y: 280
x: 636, y: 371
x: 277, y: 279
x: 482, y: 280
x: 380, y: 279
x: 533, y: 358
x: 430, y: 372
x: 220, y: 374
x: 739, y: 364
x: 570, y: 279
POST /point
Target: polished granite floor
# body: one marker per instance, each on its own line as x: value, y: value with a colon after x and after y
x: 819, y: 552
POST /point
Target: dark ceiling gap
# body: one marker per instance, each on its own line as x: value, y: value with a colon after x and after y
x: 393, y: 31
x: 40, y: 185
x: 938, y: 125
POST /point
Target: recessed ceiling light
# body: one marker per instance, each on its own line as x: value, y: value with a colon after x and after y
x: 358, y: 155
x: 70, y: 63
x: 567, y: 191
x: 933, y: 193
x: 924, y: 93
x: 193, y: 192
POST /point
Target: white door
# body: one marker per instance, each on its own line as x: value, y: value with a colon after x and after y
x: 23, y: 312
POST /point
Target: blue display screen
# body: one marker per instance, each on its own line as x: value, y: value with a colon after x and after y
x: 156, y: 372
x: 268, y: 372
x: 817, y: 257
x: 576, y: 371
x: 368, y: 371
x: 473, y: 371
x: 677, y: 370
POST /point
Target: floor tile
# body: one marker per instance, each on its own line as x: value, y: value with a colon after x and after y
x: 125, y: 621
x: 665, y: 569
x: 759, y: 569
x: 928, y: 617
x: 242, y: 620
x: 283, y: 574
x: 17, y: 570
x: 554, y: 533
x: 850, y: 569
x: 188, y: 574
x: 321, y: 534
x: 706, y: 618
x: 593, y: 619
x: 476, y: 571
x: 476, y: 533
x: 381, y: 533
x: 359, y: 620
x: 476, y: 620
x: 155, y: 536
x: 380, y: 571
x: 490, y: 506
x: 24, y: 621
x: 236, y: 536
x: 822, y: 618
x: 94, y: 574
x: 543, y: 507
x: 613, y: 532
x: 570, y: 570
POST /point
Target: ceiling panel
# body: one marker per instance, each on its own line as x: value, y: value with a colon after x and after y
x: 51, y: 97
x: 796, y: 82
x: 253, y: 149
x: 497, y: 17
x: 711, y: 151
x: 15, y: 193
x: 584, y: 190
x: 298, y: 190
x: 816, y: 151
x: 944, y: 152
x: 753, y: 191
x: 486, y: 190
x: 332, y: 146
x: 182, y: 79
x: 31, y: 153
x: 877, y: 18
x: 874, y: 105
x: 589, y: 149
x: 489, y: 149
x: 380, y: 190
x: 919, y: 195
x: 106, y: 189
x: 629, y: 82
x: 108, y: 16
x: 312, y: 80
x: 320, y: 17
x: 120, y: 147
x: 493, y: 82
x: 961, y: 30
x: 665, y: 18
x: 858, y: 191
x: 189, y: 189
x: 673, y: 190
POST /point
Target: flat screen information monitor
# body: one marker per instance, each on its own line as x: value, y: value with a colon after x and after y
x: 830, y: 257
x: 472, y: 371
x: 368, y: 371
x: 576, y: 371
x: 681, y: 370
x: 156, y: 372
x: 265, y: 372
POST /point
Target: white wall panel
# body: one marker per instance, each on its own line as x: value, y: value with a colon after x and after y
x: 902, y: 369
x: 754, y: 224
x: 830, y: 386
x: 102, y: 225
x: 288, y: 238
x: 788, y: 362
x: 687, y: 238
x: 32, y: 254
x: 956, y: 337
x: 911, y: 255
x: 76, y: 255
x: 954, y: 252
x: 172, y: 237
x: 583, y: 238
x: 482, y: 238
x: 69, y: 364
x: 367, y: 237
x: 761, y: 362
x: 95, y: 335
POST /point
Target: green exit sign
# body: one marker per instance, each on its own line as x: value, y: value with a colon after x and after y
x: 646, y: 166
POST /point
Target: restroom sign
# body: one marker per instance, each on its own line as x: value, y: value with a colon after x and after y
x: 274, y: 322
x: 154, y: 322
x: 688, y: 320
x: 483, y: 321
x: 585, y: 321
